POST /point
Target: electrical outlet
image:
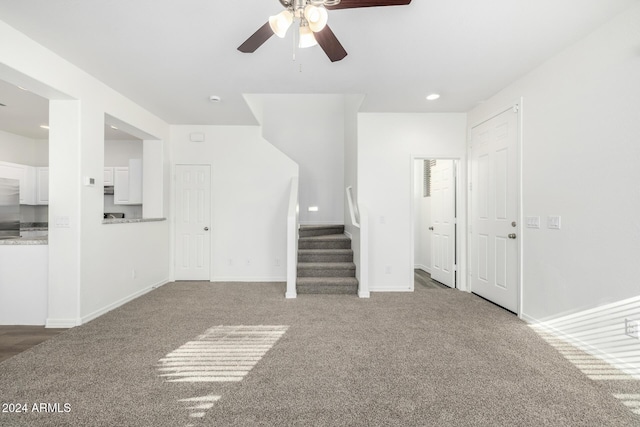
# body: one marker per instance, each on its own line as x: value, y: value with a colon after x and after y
x: 276, y: 263
x: 133, y: 273
x: 387, y: 269
x: 248, y: 262
x: 230, y: 262
x: 632, y: 328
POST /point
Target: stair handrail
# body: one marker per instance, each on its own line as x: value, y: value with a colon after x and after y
x: 353, y: 208
x: 293, y: 224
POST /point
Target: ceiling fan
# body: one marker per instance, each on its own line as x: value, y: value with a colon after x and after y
x: 312, y: 17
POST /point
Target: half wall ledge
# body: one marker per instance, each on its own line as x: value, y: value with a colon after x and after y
x: 131, y: 220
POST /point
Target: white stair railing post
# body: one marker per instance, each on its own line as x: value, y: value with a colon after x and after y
x: 360, y: 220
x: 292, y: 239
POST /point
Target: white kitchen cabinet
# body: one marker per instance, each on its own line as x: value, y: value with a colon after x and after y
x: 27, y: 177
x: 121, y: 185
x: 127, y: 184
x: 42, y: 186
x: 108, y: 176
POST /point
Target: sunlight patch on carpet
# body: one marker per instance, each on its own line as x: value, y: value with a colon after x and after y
x: 221, y: 354
x: 593, y: 367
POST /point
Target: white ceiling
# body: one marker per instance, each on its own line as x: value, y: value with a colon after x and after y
x: 169, y: 56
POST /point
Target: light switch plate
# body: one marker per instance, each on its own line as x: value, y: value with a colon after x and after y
x: 553, y: 222
x: 61, y: 222
x: 533, y: 222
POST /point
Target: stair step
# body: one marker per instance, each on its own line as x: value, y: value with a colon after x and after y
x: 320, y: 230
x: 325, y: 255
x: 332, y: 241
x: 326, y: 269
x: 327, y: 285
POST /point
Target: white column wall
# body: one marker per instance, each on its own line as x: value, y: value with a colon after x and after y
x: 64, y: 214
x: 387, y: 145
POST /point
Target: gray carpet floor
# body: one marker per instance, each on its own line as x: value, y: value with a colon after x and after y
x: 435, y: 357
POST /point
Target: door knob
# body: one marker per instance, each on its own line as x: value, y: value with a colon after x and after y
x: 512, y: 236
x: 431, y: 228
x: 206, y: 229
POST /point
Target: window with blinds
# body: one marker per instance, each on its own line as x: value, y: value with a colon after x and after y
x: 426, y: 187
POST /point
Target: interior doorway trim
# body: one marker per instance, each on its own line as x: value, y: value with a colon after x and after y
x: 461, y: 218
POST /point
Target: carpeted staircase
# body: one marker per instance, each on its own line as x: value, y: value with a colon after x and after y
x: 325, y: 261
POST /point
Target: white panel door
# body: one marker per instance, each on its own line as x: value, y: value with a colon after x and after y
x: 494, y: 210
x: 193, y: 241
x: 443, y: 239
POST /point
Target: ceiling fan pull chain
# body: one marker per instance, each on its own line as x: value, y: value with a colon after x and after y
x: 293, y: 47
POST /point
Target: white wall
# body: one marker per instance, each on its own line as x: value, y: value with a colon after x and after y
x: 249, y: 199
x: 581, y: 150
x: 422, y: 220
x: 387, y: 145
x: 310, y: 130
x: 25, y: 151
x: 89, y: 263
x: 118, y: 152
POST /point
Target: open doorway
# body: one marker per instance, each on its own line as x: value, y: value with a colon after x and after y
x: 434, y: 221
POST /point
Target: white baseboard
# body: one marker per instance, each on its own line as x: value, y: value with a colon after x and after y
x: 349, y: 235
x: 290, y: 295
x: 364, y: 294
x: 423, y: 268
x: 385, y: 289
x: 248, y: 279
x: 62, y: 323
x: 529, y: 319
x: 320, y: 223
x: 122, y: 301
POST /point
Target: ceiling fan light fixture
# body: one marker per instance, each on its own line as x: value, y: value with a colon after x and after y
x: 281, y: 22
x: 316, y: 16
x: 307, y: 39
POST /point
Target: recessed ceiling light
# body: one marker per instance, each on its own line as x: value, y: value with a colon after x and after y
x: 113, y: 127
x: 215, y: 98
x: 44, y: 126
x: 433, y: 97
x: 23, y: 88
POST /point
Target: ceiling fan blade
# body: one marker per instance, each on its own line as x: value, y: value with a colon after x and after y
x: 330, y: 44
x: 257, y: 39
x: 349, y: 4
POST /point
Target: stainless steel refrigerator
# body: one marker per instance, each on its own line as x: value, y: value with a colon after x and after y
x: 9, y: 208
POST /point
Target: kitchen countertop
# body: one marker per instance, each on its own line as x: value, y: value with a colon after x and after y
x: 38, y: 240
